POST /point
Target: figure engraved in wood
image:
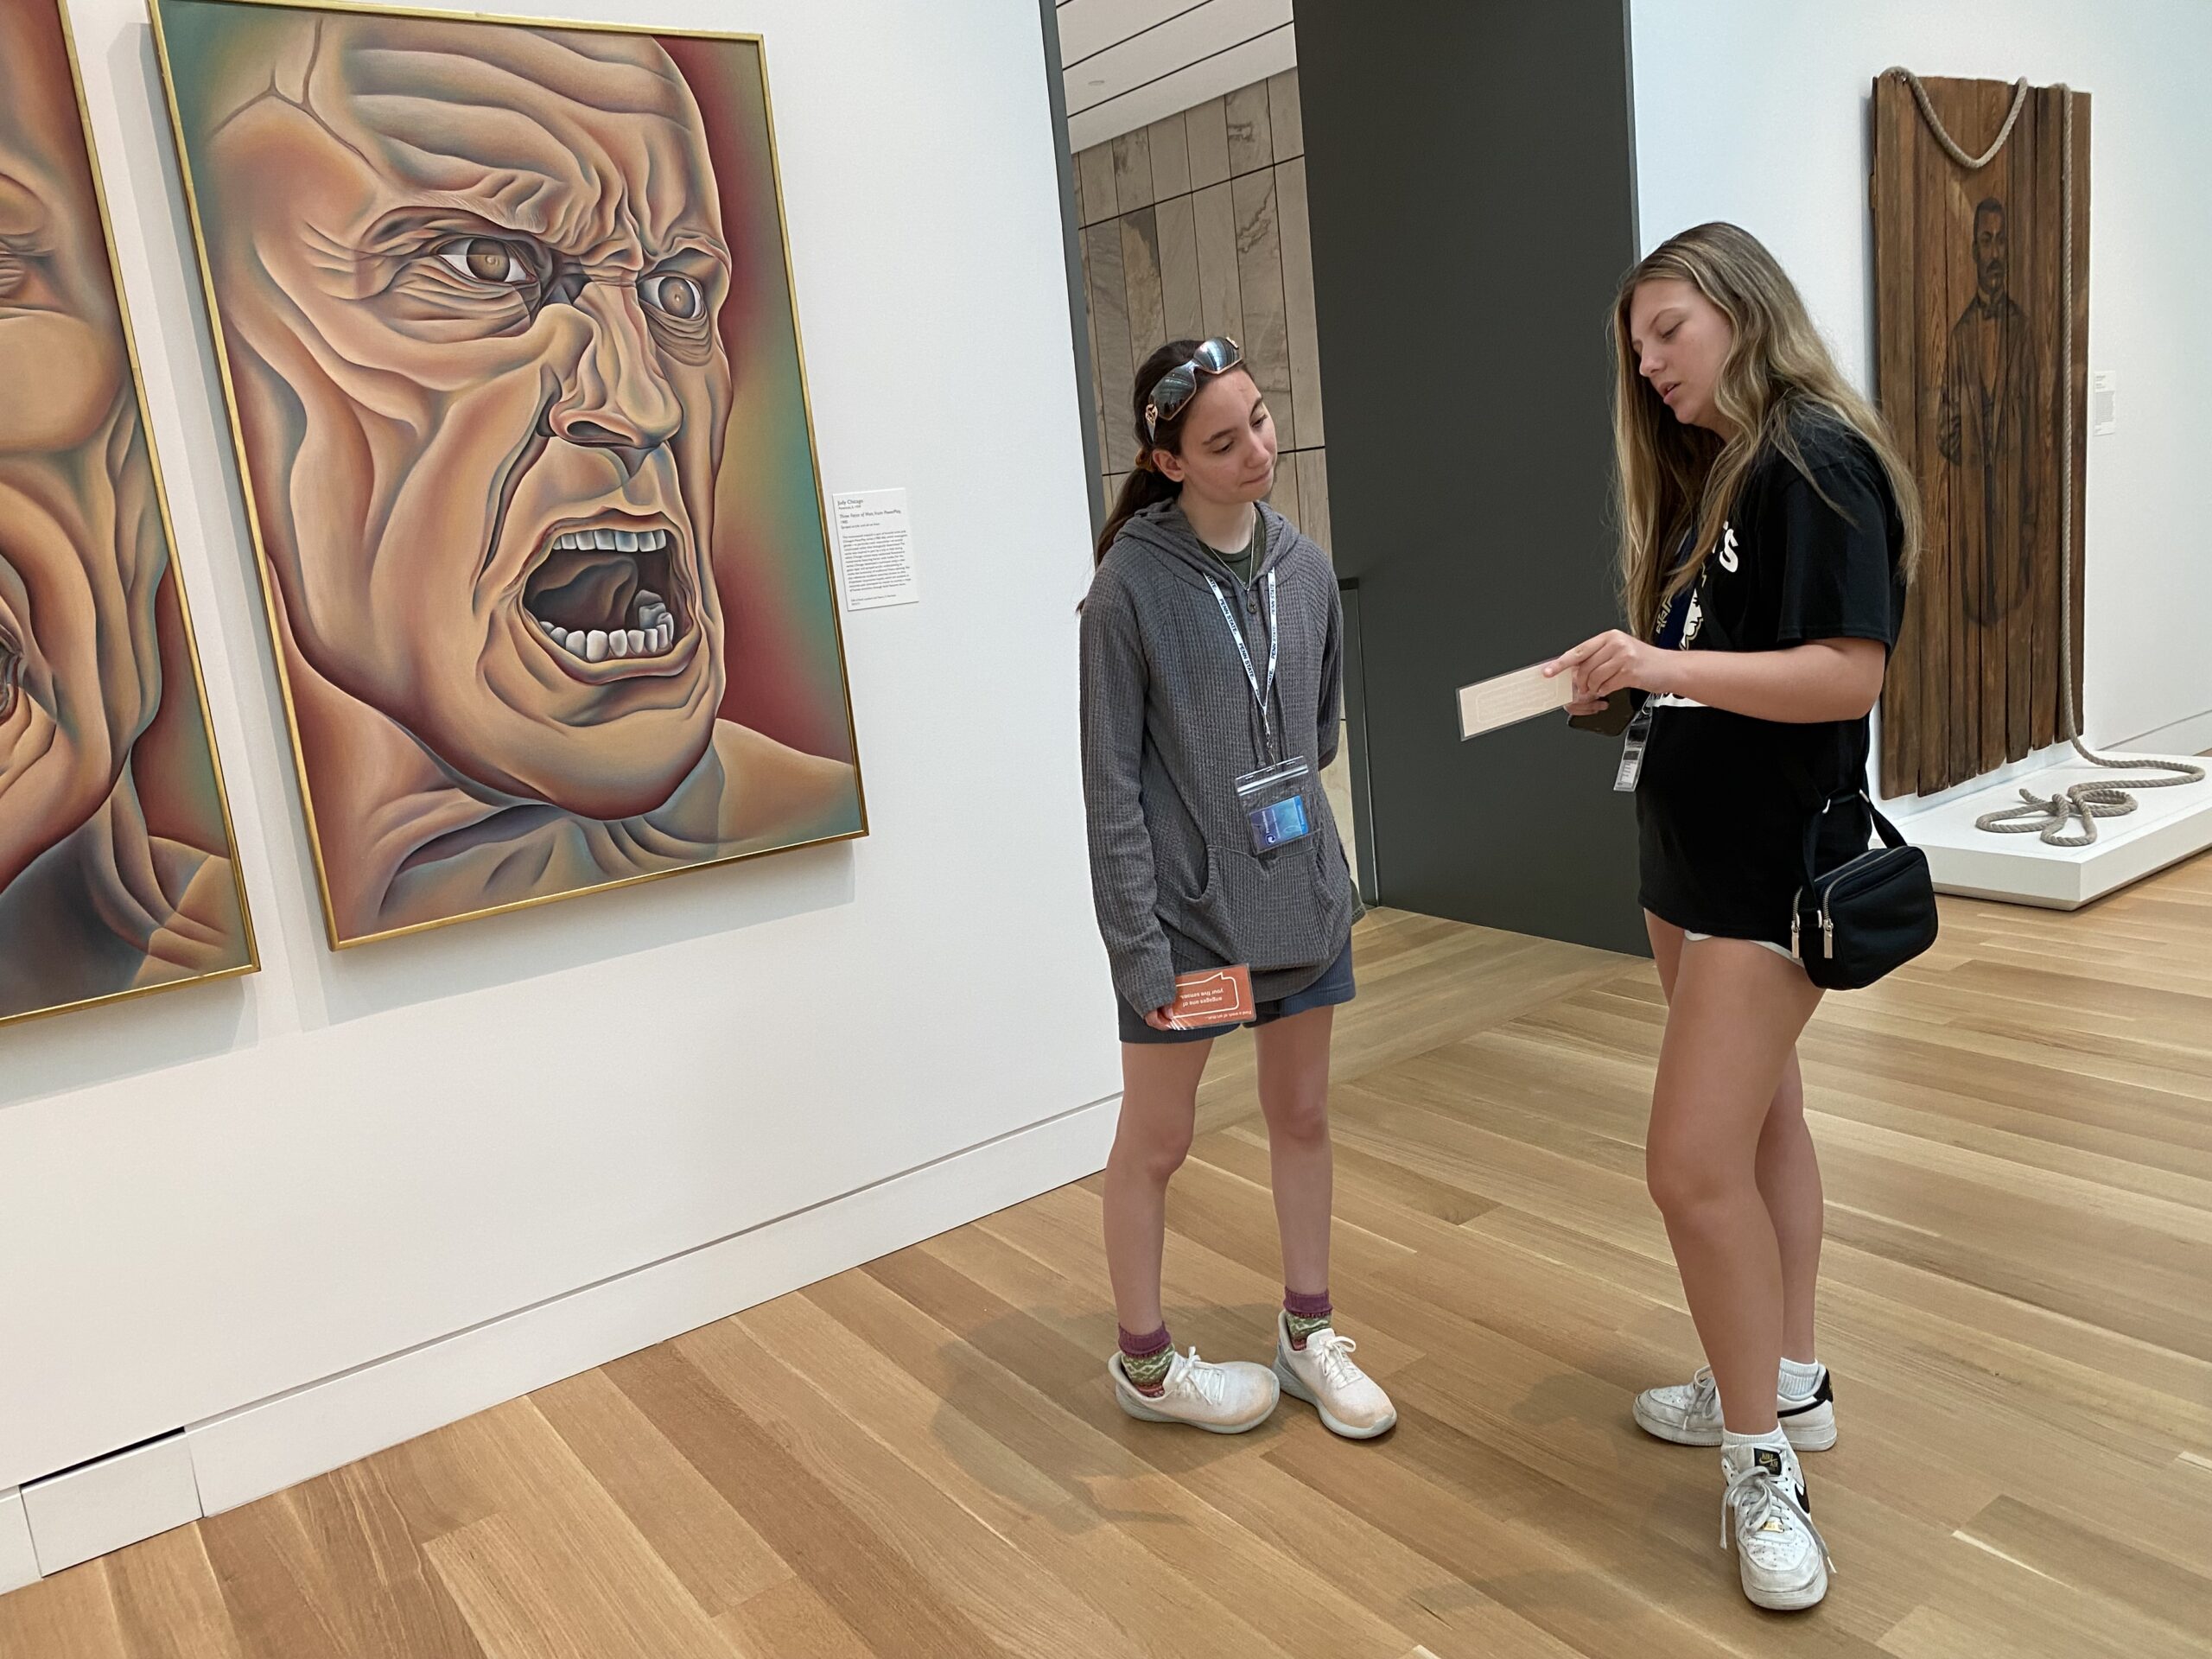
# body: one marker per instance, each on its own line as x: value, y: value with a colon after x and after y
x: 1986, y: 428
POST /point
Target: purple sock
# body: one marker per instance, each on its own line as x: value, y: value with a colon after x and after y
x: 1307, y: 1314
x: 1144, y: 1347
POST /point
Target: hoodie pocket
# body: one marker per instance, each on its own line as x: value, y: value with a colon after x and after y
x: 1267, y: 913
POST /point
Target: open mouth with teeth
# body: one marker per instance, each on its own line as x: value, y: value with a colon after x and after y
x: 601, y: 592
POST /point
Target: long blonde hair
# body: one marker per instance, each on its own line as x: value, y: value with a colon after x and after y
x: 1678, y: 480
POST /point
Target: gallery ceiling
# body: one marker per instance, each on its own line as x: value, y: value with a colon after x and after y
x: 1129, y: 63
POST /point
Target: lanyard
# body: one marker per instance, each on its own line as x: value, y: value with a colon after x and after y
x: 1262, y: 696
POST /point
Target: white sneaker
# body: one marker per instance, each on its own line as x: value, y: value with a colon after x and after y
x: 1689, y: 1413
x: 1220, y: 1399
x: 1780, y: 1553
x: 1351, y: 1403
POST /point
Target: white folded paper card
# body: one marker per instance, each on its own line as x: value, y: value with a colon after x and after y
x: 1511, y: 698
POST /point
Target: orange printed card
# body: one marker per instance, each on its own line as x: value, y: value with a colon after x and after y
x: 1215, y: 996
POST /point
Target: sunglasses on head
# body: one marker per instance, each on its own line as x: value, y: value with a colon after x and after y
x: 1180, y: 383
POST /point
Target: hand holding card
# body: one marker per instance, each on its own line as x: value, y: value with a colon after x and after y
x: 1214, y: 996
x: 1511, y: 698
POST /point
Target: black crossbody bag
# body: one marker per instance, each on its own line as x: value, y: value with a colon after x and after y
x: 1868, y: 917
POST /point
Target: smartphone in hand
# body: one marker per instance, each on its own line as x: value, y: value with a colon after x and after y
x: 1610, y: 720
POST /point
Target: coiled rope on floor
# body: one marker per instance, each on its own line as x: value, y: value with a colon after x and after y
x: 2052, y: 815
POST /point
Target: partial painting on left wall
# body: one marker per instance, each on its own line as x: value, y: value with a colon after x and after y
x: 118, y: 871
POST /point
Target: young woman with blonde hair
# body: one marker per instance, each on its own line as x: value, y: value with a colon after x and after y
x: 1767, y: 529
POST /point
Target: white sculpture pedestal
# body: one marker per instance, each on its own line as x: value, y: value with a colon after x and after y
x: 2167, y: 826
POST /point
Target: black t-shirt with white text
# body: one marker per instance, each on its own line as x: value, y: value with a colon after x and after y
x: 1724, y: 798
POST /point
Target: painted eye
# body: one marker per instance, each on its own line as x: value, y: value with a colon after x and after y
x: 485, y: 259
x: 674, y: 296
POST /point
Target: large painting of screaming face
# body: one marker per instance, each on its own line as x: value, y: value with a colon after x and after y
x: 117, y: 869
x: 507, y: 326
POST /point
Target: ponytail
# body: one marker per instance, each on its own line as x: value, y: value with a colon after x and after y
x: 1147, y: 487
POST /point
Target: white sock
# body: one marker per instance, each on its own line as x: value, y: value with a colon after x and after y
x: 1772, y: 1437
x: 1732, y: 1442
x: 1800, y: 1377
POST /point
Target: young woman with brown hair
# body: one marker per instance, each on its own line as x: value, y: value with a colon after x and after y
x: 1211, y: 643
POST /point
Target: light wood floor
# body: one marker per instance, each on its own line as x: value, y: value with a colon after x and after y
x: 921, y: 1459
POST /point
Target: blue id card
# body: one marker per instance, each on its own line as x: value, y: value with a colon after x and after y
x: 1274, y: 803
x: 1285, y: 821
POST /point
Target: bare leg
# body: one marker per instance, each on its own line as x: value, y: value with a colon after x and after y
x: 1666, y: 951
x: 1293, y: 1056
x: 1159, y: 1097
x: 1790, y: 1184
x: 1732, y: 1023
x: 1788, y: 1172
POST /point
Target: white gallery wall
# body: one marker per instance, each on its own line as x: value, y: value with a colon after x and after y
x: 216, y: 1195
x: 1756, y: 110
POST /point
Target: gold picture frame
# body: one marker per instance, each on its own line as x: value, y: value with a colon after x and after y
x: 344, y: 917
x: 210, y: 937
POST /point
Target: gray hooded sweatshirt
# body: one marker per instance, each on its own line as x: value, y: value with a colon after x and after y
x: 1170, y: 723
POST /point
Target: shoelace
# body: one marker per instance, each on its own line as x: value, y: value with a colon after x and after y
x: 1757, y: 1497
x: 1194, y: 1375
x: 1333, y: 1354
x: 1704, y: 1390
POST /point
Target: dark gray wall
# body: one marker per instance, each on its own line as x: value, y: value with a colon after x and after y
x: 1471, y: 174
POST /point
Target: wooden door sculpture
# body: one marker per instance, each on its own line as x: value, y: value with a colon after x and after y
x: 1967, y: 312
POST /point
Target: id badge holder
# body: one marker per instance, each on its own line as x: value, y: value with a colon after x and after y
x: 1639, y: 733
x: 1273, y: 801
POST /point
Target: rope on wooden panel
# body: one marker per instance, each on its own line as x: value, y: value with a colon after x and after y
x: 1972, y: 163
x: 2050, y: 816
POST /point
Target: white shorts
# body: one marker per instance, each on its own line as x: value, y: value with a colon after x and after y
x: 1764, y: 944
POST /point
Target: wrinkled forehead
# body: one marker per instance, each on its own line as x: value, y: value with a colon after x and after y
x: 591, y: 141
